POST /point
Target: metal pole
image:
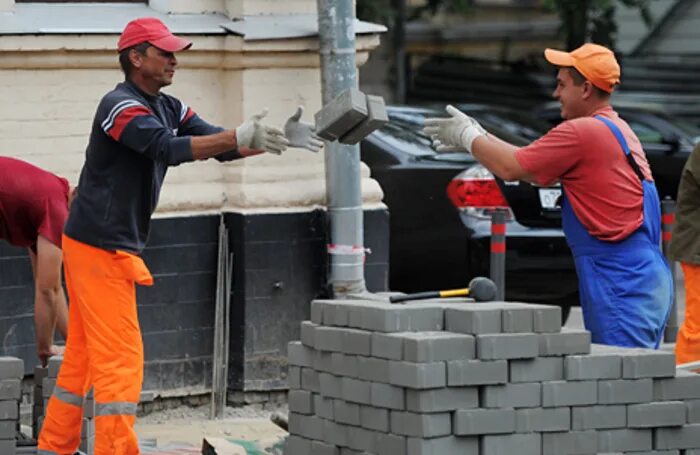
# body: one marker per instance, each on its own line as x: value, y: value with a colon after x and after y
x: 498, y: 252
x: 668, y: 217
x: 343, y: 192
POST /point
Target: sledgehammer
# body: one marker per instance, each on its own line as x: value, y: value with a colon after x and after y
x: 480, y: 289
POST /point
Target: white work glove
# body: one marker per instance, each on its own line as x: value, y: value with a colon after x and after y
x: 454, y: 133
x: 254, y: 135
x: 302, y: 134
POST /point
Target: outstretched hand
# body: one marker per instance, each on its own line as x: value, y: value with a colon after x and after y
x: 302, y: 134
x: 453, y: 133
x: 253, y: 134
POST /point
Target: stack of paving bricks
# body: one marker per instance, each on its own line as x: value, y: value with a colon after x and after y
x: 87, y: 435
x: 469, y: 378
x: 11, y: 374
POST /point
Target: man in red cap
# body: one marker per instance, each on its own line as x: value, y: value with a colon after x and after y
x: 610, y: 211
x: 137, y: 133
x: 33, y: 209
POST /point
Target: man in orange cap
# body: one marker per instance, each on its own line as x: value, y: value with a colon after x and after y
x: 137, y: 133
x: 610, y: 211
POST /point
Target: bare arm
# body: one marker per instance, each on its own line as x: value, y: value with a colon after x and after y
x: 498, y: 157
x: 50, y: 308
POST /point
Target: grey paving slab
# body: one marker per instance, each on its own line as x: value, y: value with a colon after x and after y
x: 387, y: 396
x: 507, y: 346
x: 376, y: 419
x: 10, y: 389
x: 9, y: 410
x: 331, y: 386
x: 301, y: 401
x: 324, y: 407
x: 522, y: 444
x: 442, y: 399
x: 546, y: 318
x: 391, y: 444
x: 310, y: 380
x: 472, y: 422
x: 449, y: 445
x: 53, y: 365
x: 308, y: 336
x: 356, y: 342
x: 685, y: 437
x: 562, y: 393
x: 567, y: 342
x: 373, y: 369
x: 356, y: 390
x: 386, y: 317
x: 321, y: 448
x: 346, y: 412
x: 310, y: 427
x: 519, y: 395
x: 323, y: 361
x: 570, y: 443
x: 685, y: 386
x: 648, y: 363
x: 387, y: 345
x: 334, y: 433
x: 418, y: 375
x: 421, y: 425
x: 345, y: 365
x: 530, y: 420
x: 598, y: 417
x: 625, y: 440
x: 474, y: 319
x: 328, y: 339
x: 517, y: 319
x: 476, y: 372
x: 693, y: 408
x: 650, y: 415
x: 537, y: 370
x: 298, y: 355
x: 362, y: 439
x: 599, y: 364
x: 621, y: 391
x: 437, y: 346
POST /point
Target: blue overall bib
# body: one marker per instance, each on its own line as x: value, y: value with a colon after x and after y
x: 625, y: 287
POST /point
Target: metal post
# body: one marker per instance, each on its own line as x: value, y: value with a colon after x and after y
x: 498, y: 252
x: 668, y: 217
x: 336, y: 31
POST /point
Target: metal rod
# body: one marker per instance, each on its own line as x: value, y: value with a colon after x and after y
x: 498, y: 252
x: 668, y: 217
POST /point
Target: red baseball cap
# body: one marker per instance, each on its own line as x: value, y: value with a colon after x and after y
x: 597, y: 64
x: 155, y: 32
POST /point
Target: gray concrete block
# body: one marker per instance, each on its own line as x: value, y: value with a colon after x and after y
x: 341, y: 114
x: 331, y: 386
x: 522, y: 444
x: 561, y: 393
x: 542, y: 420
x: 567, y: 342
x: 321, y: 448
x: 663, y: 414
x: 294, y: 377
x: 471, y: 422
x: 391, y: 444
x: 346, y: 412
x: 570, y: 443
x: 8, y: 447
x: 310, y: 380
x: 421, y: 425
x: 47, y: 386
x: 685, y: 437
x: 685, y: 386
x: 596, y: 365
x: 9, y: 410
x: 474, y: 319
x: 337, y: 312
x: 619, y: 391
x: 648, y: 363
x: 418, y: 375
x: 536, y: 370
x: 12, y: 368
x: 693, y: 408
x: 308, y: 336
x: 335, y: 433
x: 517, y: 319
x: 437, y: 346
x: 356, y: 391
x: 345, y: 365
x: 507, y: 346
x: 376, y: 118
x: 328, y: 339
x: 323, y: 361
x: 323, y: 407
x: 522, y: 395
x: 356, y: 342
x: 546, y: 318
x: 387, y: 345
x: 449, y: 445
x: 40, y: 373
x: 8, y: 429
x: 10, y: 389
x: 376, y: 419
x: 54, y: 365
x: 598, y: 417
x: 387, y: 396
x: 349, y: 451
x: 624, y: 440
x: 362, y: 439
x: 476, y: 372
x: 298, y: 355
x: 310, y: 427
x: 387, y: 317
x: 317, y: 311
x: 373, y: 369
x: 442, y: 399
x: 301, y: 402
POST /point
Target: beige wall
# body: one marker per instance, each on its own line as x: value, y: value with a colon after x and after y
x: 50, y: 87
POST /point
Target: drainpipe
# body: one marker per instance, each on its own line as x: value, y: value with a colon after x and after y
x: 343, y: 191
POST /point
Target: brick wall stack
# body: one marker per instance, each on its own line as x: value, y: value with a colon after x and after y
x: 479, y: 378
x: 11, y: 374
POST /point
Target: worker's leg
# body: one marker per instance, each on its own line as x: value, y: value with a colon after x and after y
x: 60, y: 433
x: 688, y: 343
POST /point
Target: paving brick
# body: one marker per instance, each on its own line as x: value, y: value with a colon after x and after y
x: 321, y: 448
x: 362, y: 439
x: 345, y: 412
x: 507, y: 346
x: 391, y: 444
x: 336, y: 313
x: 330, y: 386
x: 373, y: 369
x: 356, y: 391
x: 10, y: 389
x: 449, y: 445
x: 648, y: 363
x: 421, y: 425
x: 47, y: 386
x: 437, y: 346
x: 522, y: 395
x: 546, y: 318
x: 684, y: 386
x: 308, y: 336
x: 386, y: 317
x: 536, y: 370
x: 341, y: 114
x: 376, y: 419
x: 663, y: 414
x: 310, y: 427
x: 598, y: 417
x: 293, y: 377
x: 476, y: 372
x: 685, y: 437
x: 301, y: 401
x: 334, y: 433
x: 310, y: 380
x: 8, y: 429
x: 517, y: 318
x: 621, y: 391
x: 567, y: 342
x: 12, y: 368
x: 323, y: 361
x: 470, y: 422
x: 522, y: 444
x: 8, y: 447
x: 570, y: 443
x: 387, y: 396
x: 317, y: 311
x: 625, y: 440
x: 599, y: 364
x: 345, y: 365
x: 357, y: 342
x: 9, y: 410
x: 328, y: 339
x: 387, y: 345
x: 561, y: 393
x: 474, y: 319
x: 693, y: 407
x: 542, y: 420
x: 323, y: 407
x: 418, y: 375
x: 298, y: 355
x: 442, y: 399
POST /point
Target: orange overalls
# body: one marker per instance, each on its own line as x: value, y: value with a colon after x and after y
x: 688, y: 342
x: 104, y: 350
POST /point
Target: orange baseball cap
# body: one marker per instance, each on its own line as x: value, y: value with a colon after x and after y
x: 596, y: 63
x: 154, y: 31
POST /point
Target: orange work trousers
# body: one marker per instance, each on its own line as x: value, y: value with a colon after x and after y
x: 104, y: 350
x: 688, y: 342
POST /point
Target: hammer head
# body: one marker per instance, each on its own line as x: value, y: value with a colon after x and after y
x: 482, y: 289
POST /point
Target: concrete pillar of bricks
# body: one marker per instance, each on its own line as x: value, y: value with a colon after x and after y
x: 11, y: 374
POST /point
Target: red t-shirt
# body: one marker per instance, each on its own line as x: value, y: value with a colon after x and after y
x: 604, y: 192
x: 33, y: 202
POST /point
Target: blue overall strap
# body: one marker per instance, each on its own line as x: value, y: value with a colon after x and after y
x: 623, y: 143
